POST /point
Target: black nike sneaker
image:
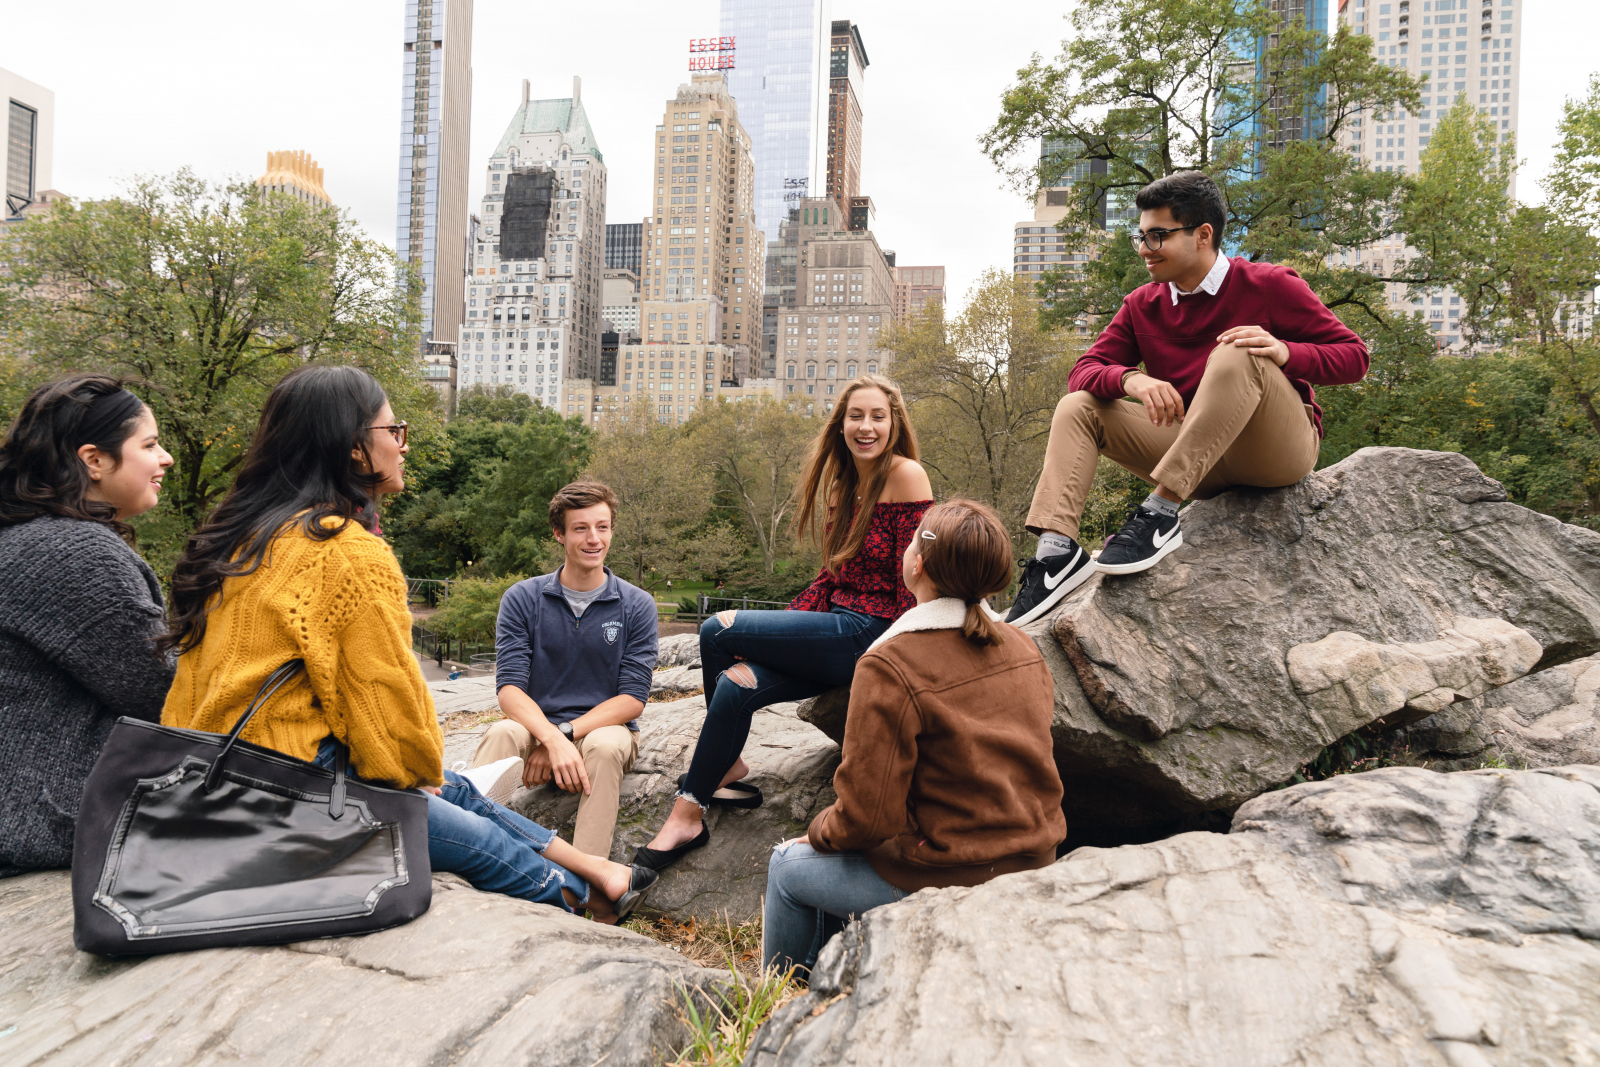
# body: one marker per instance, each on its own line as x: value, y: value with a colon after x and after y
x: 1046, y: 581
x: 1144, y: 539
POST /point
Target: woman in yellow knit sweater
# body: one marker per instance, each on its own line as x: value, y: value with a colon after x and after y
x: 287, y: 567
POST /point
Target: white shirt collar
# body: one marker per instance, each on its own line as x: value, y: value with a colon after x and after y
x: 1209, y: 284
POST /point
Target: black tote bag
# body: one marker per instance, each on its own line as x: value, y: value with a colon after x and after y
x: 188, y: 840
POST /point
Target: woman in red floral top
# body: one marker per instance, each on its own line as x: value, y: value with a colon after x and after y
x: 866, y: 455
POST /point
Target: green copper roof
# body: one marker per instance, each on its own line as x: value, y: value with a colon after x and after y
x: 565, y: 116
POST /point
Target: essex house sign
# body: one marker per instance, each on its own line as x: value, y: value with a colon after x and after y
x: 711, y: 53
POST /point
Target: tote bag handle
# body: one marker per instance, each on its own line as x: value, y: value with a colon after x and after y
x: 269, y: 688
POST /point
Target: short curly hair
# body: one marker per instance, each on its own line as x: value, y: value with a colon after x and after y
x: 576, y: 495
x: 1193, y: 198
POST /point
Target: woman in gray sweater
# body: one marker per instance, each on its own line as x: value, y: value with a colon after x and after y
x: 79, y: 610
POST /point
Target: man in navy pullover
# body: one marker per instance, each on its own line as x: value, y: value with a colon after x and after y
x: 574, y: 654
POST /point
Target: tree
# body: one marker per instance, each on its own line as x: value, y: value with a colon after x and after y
x: 664, y: 496
x: 494, y: 403
x: 482, y: 500
x: 981, y: 390
x: 208, y: 294
x: 757, y: 450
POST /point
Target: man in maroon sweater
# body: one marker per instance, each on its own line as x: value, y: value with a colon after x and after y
x: 1230, y: 350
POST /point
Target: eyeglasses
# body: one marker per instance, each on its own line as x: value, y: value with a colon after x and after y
x: 398, y: 430
x: 1153, y: 238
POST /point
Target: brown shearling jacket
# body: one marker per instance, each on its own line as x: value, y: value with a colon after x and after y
x: 948, y: 776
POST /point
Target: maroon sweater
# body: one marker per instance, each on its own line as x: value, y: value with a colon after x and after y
x: 1173, y: 342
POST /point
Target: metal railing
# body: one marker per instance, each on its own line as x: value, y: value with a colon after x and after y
x: 427, y: 592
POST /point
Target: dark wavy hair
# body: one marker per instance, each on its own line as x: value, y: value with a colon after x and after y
x: 299, y: 469
x: 40, y: 472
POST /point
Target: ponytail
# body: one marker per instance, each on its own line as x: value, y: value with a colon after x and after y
x: 979, y: 626
x: 966, y: 554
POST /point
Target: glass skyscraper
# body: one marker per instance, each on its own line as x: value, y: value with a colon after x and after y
x: 435, y: 120
x: 780, y: 80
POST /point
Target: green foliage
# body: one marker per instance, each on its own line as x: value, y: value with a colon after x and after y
x: 483, y: 500
x: 207, y: 294
x: 981, y: 390
x: 722, y: 1023
x: 470, y: 611
x: 494, y: 403
x: 1574, y: 181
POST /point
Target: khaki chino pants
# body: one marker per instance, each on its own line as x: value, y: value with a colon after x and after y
x: 1245, y: 426
x: 608, y: 753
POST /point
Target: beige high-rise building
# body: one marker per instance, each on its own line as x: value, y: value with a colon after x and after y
x: 915, y: 288
x: 677, y: 381
x: 701, y: 270
x: 844, y: 299
x: 295, y: 174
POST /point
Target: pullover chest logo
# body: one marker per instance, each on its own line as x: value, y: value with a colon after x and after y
x: 611, y: 631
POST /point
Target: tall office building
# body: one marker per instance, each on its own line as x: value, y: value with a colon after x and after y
x: 704, y: 256
x: 538, y: 260
x: 435, y: 124
x: 781, y: 79
x: 1462, y: 49
x: 847, y: 68
x: 624, y: 244
x: 915, y: 288
x: 295, y: 174
x: 29, y: 134
x: 844, y: 299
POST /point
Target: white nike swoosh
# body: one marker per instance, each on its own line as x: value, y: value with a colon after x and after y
x: 1160, y: 539
x: 1061, y: 577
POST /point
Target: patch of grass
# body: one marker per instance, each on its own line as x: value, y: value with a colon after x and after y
x: 722, y: 1022
x: 666, y: 695
x: 708, y: 944
x: 468, y: 720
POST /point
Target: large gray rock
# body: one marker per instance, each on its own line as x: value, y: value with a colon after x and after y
x: 481, y: 980
x: 790, y: 761
x: 1547, y: 719
x: 1398, y: 917
x: 1382, y: 589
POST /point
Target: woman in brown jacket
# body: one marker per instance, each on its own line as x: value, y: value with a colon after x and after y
x: 948, y: 777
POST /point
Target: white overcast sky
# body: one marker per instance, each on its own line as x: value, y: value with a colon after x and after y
x: 148, y: 87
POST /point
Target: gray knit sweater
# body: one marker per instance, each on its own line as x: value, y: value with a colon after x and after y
x: 78, y: 611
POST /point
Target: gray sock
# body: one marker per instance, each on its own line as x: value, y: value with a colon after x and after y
x: 1054, y: 544
x: 1160, y: 505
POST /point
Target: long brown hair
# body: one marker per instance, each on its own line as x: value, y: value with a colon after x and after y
x: 966, y: 554
x: 830, y: 478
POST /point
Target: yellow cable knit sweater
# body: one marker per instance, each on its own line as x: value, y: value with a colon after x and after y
x: 340, y: 605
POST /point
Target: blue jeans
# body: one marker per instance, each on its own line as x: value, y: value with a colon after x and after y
x: 491, y: 846
x: 810, y: 897
x: 793, y: 655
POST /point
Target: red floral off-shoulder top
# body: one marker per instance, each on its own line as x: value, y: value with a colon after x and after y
x: 869, y: 582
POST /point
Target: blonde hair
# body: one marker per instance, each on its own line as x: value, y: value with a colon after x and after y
x: 830, y: 476
x: 966, y: 553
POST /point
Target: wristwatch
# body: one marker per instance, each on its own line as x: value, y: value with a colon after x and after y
x: 566, y: 731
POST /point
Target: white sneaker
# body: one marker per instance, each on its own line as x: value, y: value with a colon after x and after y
x: 497, y: 780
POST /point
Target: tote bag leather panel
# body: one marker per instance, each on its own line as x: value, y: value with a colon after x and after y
x: 187, y: 839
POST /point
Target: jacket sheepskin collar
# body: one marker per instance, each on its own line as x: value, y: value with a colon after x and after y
x: 946, y: 613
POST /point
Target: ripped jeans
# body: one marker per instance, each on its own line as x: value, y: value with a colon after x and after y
x: 491, y: 846
x: 789, y: 655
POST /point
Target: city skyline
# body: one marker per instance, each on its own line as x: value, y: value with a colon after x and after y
x: 344, y: 116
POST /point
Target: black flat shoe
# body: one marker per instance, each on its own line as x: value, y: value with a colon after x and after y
x: 643, y: 878
x: 650, y: 859
x: 740, y: 794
